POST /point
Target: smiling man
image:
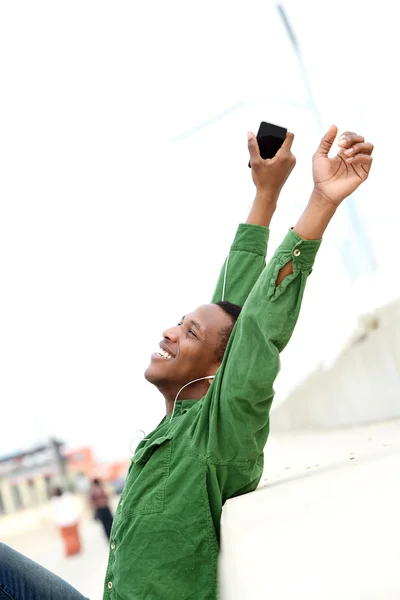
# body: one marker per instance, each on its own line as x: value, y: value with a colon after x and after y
x: 195, y: 346
x: 216, y: 369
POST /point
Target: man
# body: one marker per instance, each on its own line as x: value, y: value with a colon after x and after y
x: 216, y: 370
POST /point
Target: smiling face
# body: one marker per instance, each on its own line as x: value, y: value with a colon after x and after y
x: 189, y: 350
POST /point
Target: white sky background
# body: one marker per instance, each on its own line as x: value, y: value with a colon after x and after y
x: 110, y: 230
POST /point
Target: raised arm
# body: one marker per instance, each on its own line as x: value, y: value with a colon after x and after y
x: 334, y: 179
x: 237, y: 405
x: 246, y: 259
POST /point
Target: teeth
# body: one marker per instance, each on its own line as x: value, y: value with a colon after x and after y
x: 163, y: 353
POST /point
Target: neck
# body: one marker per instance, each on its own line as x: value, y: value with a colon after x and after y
x: 193, y: 391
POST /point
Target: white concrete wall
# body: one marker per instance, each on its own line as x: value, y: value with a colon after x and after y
x: 324, y: 521
x: 362, y: 386
x: 330, y: 531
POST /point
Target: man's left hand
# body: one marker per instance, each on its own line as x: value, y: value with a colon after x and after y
x: 337, y: 177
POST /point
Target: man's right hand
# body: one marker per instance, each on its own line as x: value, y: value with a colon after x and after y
x: 269, y: 175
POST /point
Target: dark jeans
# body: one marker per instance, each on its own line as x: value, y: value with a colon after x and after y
x: 23, y: 579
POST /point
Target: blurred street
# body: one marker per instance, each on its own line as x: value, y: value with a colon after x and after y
x: 85, y: 572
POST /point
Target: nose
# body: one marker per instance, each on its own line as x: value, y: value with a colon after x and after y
x: 171, y: 334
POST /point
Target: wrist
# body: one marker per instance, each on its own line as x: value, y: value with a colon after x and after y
x: 319, y: 195
x: 322, y: 202
x: 263, y: 208
x: 267, y: 196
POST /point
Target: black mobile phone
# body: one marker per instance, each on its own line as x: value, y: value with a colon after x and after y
x: 270, y: 138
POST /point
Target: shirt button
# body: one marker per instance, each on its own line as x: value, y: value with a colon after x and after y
x: 296, y: 252
x: 113, y: 546
x: 109, y: 585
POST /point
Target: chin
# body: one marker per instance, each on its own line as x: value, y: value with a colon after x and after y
x: 153, y: 374
x: 149, y: 374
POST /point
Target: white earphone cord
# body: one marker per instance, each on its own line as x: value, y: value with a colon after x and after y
x: 207, y: 376
x: 183, y: 387
x: 142, y: 439
x: 200, y: 378
x: 225, y: 274
x: 226, y: 268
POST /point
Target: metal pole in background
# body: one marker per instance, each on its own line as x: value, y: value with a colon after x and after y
x: 360, y: 233
x: 60, y: 461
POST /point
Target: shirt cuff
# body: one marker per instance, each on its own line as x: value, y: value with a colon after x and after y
x: 251, y: 238
x: 302, y: 252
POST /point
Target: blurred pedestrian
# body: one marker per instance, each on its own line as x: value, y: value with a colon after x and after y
x: 66, y: 518
x: 100, y: 504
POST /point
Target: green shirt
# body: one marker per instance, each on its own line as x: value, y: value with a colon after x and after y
x: 165, y: 536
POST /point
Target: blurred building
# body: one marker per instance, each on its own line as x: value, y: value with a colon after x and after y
x: 82, y: 468
x: 27, y: 477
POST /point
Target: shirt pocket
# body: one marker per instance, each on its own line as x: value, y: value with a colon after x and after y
x: 147, y: 479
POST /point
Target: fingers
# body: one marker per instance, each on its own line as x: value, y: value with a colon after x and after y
x: 349, y: 138
x: 353, y: 146
x: 361, y: 148
x: 285, y: 151
x: 252, y: 145
x: 364, y: 160
x: 284, y: 154
x: 327, y: 141
x: 286, y: 146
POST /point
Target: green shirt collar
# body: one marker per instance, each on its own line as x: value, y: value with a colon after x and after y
x: 182, y: 406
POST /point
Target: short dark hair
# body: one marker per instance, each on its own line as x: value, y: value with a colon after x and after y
x: 233, y: 310
x: 96, y: 481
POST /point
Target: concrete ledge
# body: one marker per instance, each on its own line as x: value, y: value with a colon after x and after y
x: 329, y: 531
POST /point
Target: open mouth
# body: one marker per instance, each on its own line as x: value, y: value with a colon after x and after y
x: 163, y: 353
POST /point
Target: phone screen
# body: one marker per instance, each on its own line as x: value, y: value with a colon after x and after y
x: 270, y: 138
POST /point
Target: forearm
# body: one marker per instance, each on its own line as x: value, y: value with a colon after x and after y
x: 315, y: 218
x: 311, y: 225
x: 263, y: 209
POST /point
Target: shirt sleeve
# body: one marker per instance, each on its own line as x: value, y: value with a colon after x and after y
x: 243, y: 265
x: 233, y: 423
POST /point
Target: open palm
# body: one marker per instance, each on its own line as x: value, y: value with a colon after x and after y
x: 339, y: 176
